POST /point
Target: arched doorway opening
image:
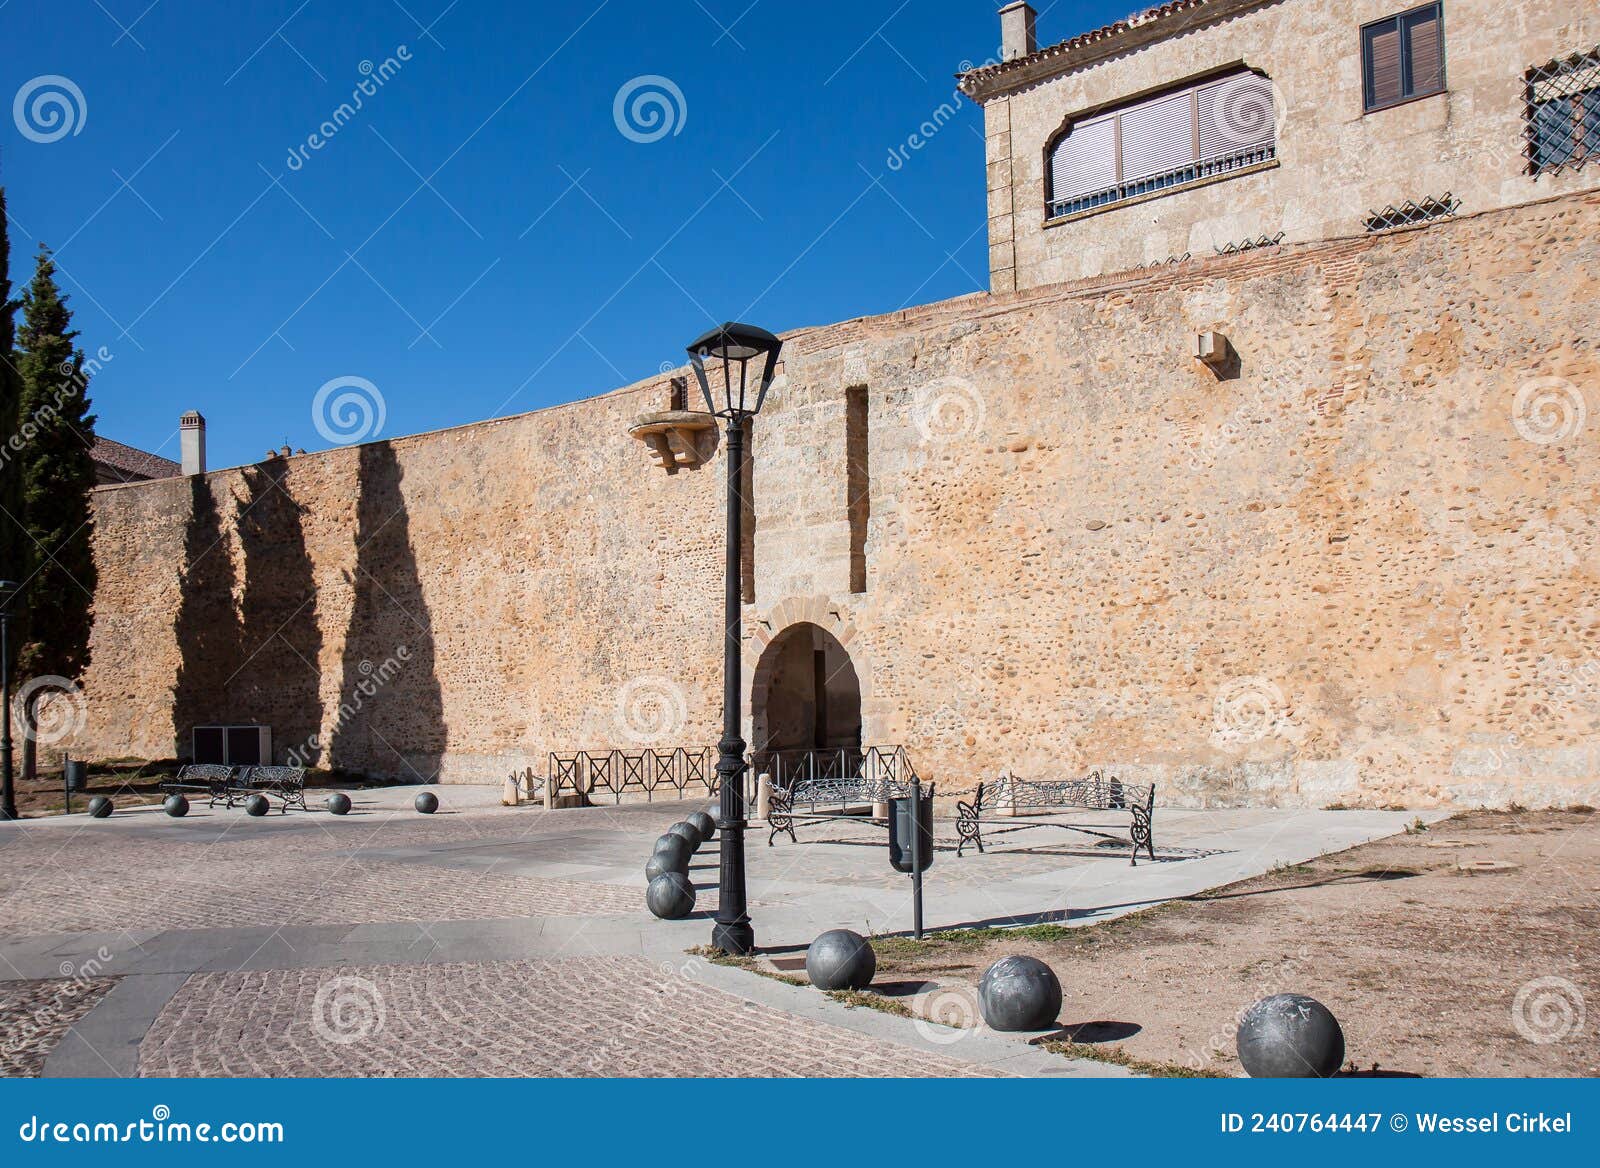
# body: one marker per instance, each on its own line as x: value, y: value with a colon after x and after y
x: 805, y: 697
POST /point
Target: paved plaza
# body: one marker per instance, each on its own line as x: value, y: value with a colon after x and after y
x: 514, y: 941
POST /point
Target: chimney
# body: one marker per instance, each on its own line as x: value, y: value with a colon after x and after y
x: 1017, y: 35
x: 192, y: 441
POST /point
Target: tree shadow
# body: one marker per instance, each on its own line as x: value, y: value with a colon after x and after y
x: 279, y: 681
x: 208, y: 626
x: 390, y: 720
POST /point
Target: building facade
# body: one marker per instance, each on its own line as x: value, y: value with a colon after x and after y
x: 1310, y: 524
x: 1207, y: 125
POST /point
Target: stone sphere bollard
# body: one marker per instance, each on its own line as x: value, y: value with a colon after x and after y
x: 1019, y: 993
x: 687, y: 832
x: 702, y: 823
x: 841, y: 960
x: 1290, y: 1036
x: 674, y: 851
x: 176, y: 806
x: 659, y: 864
x: 257, y: 806
x: 100, y: 807
x: 338, y: 803
x: 670, y: 896
x: 426, y: 802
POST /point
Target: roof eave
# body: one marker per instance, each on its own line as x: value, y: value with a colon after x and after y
x: 1078, y: 53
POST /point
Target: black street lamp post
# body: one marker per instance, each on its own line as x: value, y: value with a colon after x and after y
x: 734, y: 347
x: 8, y: 791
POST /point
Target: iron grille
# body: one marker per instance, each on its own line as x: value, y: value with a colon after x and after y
x: 1248, y: 244
x: 1410, y: 212
x: 1561, y: 113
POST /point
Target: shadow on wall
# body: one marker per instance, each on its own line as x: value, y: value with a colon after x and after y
x: 207, y: 625
x: 390, y: 722
x: 279, y: 679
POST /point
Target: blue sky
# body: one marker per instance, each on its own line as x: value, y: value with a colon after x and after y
x: 481, y: 238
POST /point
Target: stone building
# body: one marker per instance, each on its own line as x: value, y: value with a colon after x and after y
x: 1306, y: 523
x: 1204, y: 125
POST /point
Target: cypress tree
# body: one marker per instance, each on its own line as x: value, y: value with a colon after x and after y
x: 57, y: 474
x: 11, y: 536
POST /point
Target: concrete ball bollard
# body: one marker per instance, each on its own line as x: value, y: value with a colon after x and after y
x: 100, y: 807
x: 338, y: 803
x: 426, y: 802
x: 841, y: 960
x: 176, y: 806
x: 1290, y: 1036
x: 687, y: 832
x: 659, y: 864
x: 674, y: 851
x: 702, y: 823
x: 670, y: 896
x: 257, y: 806
x: 1019, y: 993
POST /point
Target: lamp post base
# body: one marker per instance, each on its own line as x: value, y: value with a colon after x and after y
x: 735, y: 938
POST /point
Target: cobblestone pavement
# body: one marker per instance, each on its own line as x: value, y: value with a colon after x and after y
x: 567, y: 1017
x: 36, y: 1015
x: 88, y: 881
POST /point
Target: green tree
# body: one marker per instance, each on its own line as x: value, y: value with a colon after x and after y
x: 11, y: 535
x: 56, y: 432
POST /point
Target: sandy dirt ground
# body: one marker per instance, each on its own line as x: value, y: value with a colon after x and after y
x: 1471, y: 948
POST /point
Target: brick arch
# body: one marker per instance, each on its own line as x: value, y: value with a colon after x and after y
x: 761, y: 656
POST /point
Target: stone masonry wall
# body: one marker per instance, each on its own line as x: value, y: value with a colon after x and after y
x: 1354, y: 566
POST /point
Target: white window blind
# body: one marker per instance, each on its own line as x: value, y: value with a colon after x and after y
x: 1202, y: 131
x: 1085, y: 161
x: 1157, y: 136
x: 1235, y: 113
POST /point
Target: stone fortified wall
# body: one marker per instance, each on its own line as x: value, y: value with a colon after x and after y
x: 1354, y: 565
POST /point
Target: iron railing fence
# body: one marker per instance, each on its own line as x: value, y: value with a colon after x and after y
x: 618, y: 772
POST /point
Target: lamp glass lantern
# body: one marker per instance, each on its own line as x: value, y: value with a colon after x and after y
x: 743, y: 362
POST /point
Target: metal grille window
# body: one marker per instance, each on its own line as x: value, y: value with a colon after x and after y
x: 1163, y: 143
x: 1402, y: 57
x: 1562, y: 112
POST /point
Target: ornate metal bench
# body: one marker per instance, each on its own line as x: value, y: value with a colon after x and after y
x: 210, y: 779
x: 837, y: 794
x: 1096, y: 792
x: 287, y: 783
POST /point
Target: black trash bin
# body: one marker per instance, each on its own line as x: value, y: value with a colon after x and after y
x: 77, y: 775
x: 900, y: 833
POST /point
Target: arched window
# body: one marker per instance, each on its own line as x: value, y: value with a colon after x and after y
x: 1162, y: 143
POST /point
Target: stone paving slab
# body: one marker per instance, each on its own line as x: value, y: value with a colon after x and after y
x: 467, y: 919
x: 589, y: 1017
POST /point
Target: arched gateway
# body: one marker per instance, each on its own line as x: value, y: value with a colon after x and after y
x: 805, y: 697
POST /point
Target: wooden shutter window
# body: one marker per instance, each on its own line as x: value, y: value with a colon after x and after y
x: 1384, y: 84
x: 1425, y: 47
